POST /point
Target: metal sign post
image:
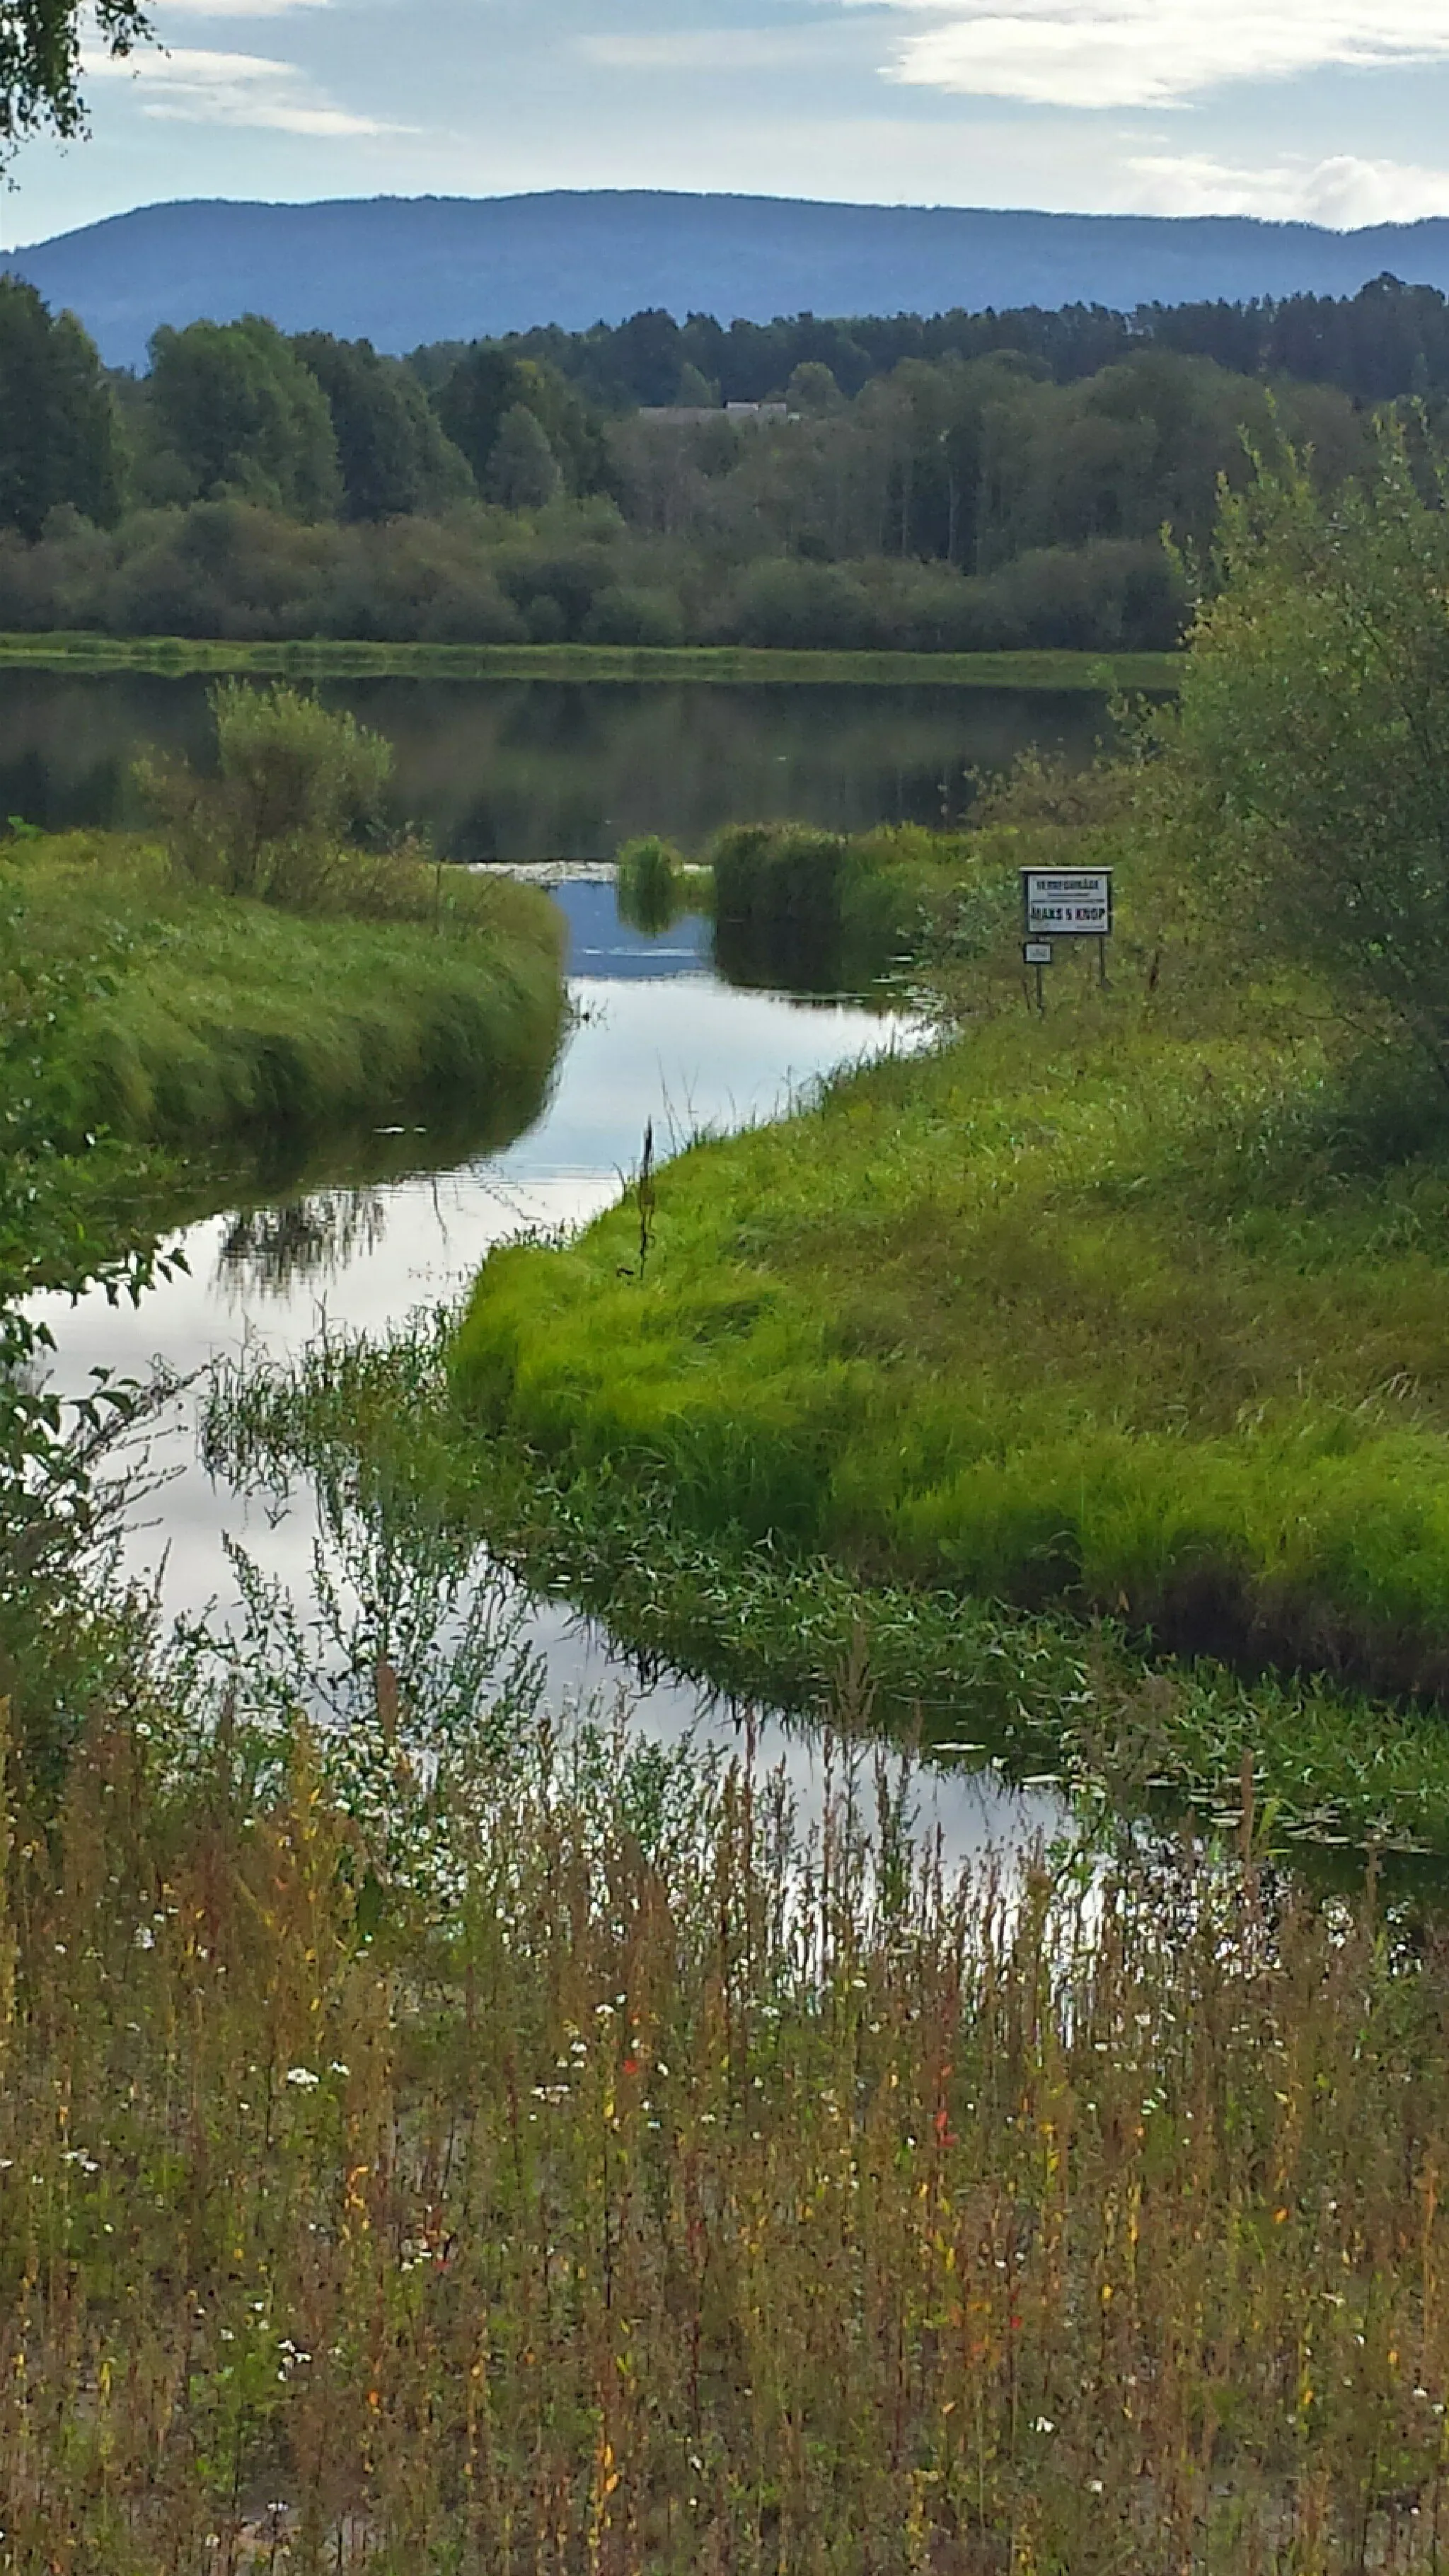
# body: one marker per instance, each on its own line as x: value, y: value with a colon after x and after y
x: 1065, y: 903
x: 1038, y: 953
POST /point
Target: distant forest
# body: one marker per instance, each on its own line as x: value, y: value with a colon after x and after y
x: 957, y: 483
x: 1386, y: 341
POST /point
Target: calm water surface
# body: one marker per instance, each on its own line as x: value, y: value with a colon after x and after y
x: 534, y: 769
x: 656, y: 1036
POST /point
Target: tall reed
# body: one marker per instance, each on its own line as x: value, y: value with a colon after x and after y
x: 612, y: 2175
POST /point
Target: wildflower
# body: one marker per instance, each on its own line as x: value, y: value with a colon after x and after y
x: 303, y: 2078
x: 1044, y: 2424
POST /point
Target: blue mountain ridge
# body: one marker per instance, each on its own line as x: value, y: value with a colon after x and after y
x: 402, y: 270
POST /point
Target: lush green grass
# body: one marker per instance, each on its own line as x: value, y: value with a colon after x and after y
x: 323, y: 659
x: 199, y: 1020
x: 1030, y: 1692
x: 1125, y: 1309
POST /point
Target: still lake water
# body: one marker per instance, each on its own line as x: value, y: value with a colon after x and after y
x: 523, y: 770
x: 655, y: 1035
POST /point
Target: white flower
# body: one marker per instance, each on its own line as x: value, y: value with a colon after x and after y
x: 145, y: 1937
x: 1044, y: 2424
x: 303, y: 2078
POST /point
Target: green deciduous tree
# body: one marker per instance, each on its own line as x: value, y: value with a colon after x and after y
x: 243, y: 415
x: 1308, y: 775
x: 523, y: 471
x: 396, y: 458
x: 58, y: 440
x: 487, y: 383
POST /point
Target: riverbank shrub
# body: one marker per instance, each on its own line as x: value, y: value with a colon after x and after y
x: 1303, y: 781
x: 296, y: 787
x: 570, y: 572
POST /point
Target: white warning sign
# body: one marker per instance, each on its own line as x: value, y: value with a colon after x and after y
x: 1067, y: 903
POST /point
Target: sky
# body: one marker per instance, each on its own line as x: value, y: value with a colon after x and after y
x: 1334, y: 110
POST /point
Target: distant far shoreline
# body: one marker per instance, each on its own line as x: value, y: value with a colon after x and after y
x: 178, y: 657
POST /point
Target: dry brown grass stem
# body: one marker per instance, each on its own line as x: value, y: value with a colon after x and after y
x: 677, y: 2194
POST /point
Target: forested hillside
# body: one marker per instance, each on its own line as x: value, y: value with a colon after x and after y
x: 399, y: 270
x: 957, y: 483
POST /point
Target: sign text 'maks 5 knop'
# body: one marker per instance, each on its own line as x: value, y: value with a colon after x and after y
x: 1066, y: 903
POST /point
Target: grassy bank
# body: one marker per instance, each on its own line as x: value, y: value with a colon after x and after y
x: 198, y: 1021
x: 1123, y: 1309
x: 327, y: 659
x: 368, y: 1426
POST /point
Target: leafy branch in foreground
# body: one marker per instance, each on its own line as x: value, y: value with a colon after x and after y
x: 54, y: 1513
x: 40, y: 62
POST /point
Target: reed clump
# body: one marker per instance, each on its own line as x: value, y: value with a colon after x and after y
x: 832, y: 911
x: 614, y: 2174
x: 654, y: 888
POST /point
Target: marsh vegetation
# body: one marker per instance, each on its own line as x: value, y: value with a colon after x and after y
x: 442, y: 2129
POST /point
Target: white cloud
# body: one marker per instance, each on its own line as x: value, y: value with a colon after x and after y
x: 702, y: 49
x: 1153, y: 53
x: 1342, y: 192
x: 188, y: 86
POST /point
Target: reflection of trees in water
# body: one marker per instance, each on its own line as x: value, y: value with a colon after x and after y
x: 532, y: 770
x: 539, y: 769
x: 272, y: 1248
x: 67, y: 742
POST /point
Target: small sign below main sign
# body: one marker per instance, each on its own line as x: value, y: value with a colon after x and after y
x: 1067, y: 903
x: 1038, y: 952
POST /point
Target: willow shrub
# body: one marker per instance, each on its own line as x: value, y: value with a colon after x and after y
x: 296, y: 785
x: 1304, y: 777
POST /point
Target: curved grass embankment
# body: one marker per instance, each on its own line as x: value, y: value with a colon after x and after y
x: 196, y: 1021
x: 1092, y: 1313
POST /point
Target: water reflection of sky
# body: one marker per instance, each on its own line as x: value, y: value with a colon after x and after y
x: 678, y: 1048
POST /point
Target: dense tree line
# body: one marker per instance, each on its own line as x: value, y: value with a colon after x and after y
x: 1386, y: 341
x: 255, y: 485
